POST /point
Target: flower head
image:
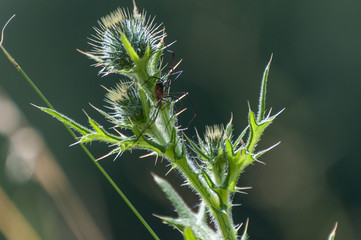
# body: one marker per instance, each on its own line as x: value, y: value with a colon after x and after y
x: 213, y: 139
x: 127, y: 106
x: 109, y: 50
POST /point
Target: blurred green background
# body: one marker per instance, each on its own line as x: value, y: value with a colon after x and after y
x: 309, y: 182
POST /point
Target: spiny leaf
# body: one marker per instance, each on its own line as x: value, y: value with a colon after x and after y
x: 208, y: 179
x: 186, y: 218
x: 152, y: 66
x: 101, y: 134
x: 66, y: 120
x: 200, y: 142
x: 181, y: 207
x: 196, y: 149
x: 256, y: 131
x: 179, y: 223
x: 240, y: 137
x: 229, y: 149
x: 262, y: 96
x: 144, y: 100
x: 98, y: 133
x: 229, y: 129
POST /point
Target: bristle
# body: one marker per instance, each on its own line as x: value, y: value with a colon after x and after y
x: 113, y: 18
x: 214, y: 132
x: 119, y: 93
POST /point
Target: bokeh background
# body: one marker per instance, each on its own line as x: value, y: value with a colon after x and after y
x: 309, y: 182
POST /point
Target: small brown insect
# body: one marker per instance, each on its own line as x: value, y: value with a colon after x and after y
x: 159, y: 92
x: 164, y: 98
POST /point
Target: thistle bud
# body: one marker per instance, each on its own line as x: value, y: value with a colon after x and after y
x: 213, y: 138
x: 127, y: 106
x: 109, y: 49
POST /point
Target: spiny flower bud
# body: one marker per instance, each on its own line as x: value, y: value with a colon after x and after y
x: 109, y: 50
x: 127, y: 106
x: 213, y: 139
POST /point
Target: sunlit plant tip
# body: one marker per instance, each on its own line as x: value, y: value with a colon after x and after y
x: 123, y: 37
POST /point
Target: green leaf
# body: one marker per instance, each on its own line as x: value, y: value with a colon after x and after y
x: 245, y: 156
x: 97, y: 134
x: 229, y: 149
x: 229, y: 128
x: 101, y: 134
x: 144, y: 99
x: 147, y: 52
x: 130, y: 50
x: 181, y: 207
x: 188, y: 234
x: 262, y: 96
x: 333, y: 233
x: 200, y: 142
x: 197, y: 150
x: 256, y: 131
x: 153, y: 63
x: 208, y: 180
x: 66, y: 120
x: 240, y: 137
x: 178, y: 223
x: 186, y: 218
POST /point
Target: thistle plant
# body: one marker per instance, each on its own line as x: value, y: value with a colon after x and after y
x: 130, y: 44
x: 143, y: 116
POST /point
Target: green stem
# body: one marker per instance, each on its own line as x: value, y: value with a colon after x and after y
x: 117, y: 189
x: 222, y: 217
x: 226, y: 225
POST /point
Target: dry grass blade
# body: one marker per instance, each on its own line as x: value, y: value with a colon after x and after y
x: 2, y: 31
